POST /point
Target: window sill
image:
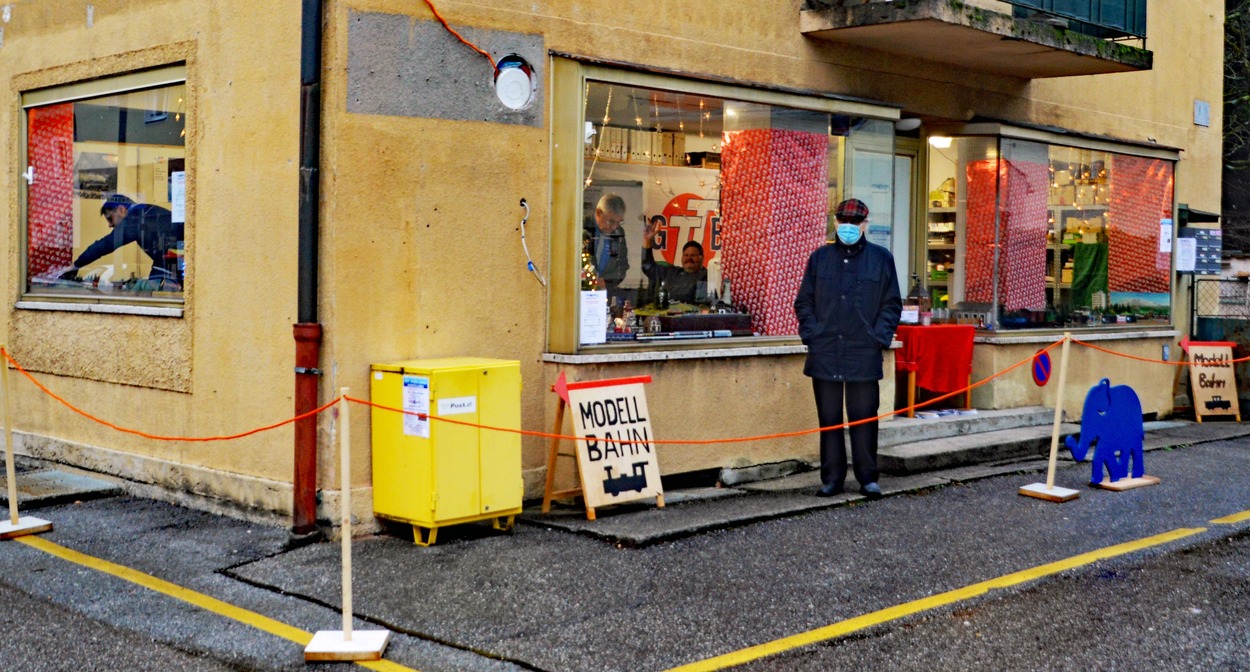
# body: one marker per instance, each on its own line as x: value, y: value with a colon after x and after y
x: 792, y: 347
x: 107, y: 308
x: 664, y: 355
x: 1049, y: 337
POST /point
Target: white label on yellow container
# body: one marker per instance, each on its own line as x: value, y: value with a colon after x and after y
x: 456, y: 405
x: 417, y: 400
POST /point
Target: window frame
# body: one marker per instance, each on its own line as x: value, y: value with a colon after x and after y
x: 569, y: 78
x: 169, y: 74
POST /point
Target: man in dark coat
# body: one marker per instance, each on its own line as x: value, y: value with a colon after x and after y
x: 152, y: 227
x: 848, y: 306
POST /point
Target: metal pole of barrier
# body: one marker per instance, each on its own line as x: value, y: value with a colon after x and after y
x: 16, y: 526
x: 331, y: 645
x: 1048, y: 491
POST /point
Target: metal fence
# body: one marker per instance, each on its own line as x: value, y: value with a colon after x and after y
x: 1218, y: 297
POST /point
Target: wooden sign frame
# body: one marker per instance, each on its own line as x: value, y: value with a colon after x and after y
x: 1212, y: 388
x: 618, y: 407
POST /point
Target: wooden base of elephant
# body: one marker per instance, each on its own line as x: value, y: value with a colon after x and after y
x: 1129, y: 483
x: 1051, y: 494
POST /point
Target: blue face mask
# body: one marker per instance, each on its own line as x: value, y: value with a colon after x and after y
x: 848, y: 233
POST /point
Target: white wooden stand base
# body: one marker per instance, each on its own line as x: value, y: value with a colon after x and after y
x: 329, y: 645
x: 25, y: 525
x: 1129, y: 483
x: 1051, y: 494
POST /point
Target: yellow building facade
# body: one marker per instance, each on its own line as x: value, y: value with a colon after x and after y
x: 424, y: 250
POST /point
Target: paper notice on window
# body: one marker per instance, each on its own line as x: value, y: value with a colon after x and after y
x: 594, y: 317
x: 1186, y: 255
x: 160, y: 177
x: 1165, y: 235
x: 178, y: 195
x: 417, y: 400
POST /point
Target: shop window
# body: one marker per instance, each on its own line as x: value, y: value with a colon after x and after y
x: 699, y: 211
x: 105, y: 189
x: 1025, y: 234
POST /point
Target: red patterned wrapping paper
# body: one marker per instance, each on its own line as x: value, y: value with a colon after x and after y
x: 1141, y: 196
x: 50, y: 197
x: 1021, y: 233
x: 774, y: 204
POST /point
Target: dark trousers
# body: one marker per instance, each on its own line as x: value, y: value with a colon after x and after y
x: 861, y: 399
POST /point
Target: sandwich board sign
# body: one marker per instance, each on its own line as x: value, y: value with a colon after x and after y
x: 1212, y: 384
x: 616, y: 460
x: 615, y: 456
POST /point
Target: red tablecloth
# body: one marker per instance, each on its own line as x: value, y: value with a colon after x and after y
x: 940, y: 354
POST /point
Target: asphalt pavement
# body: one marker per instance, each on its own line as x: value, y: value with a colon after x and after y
x: 640, y: 588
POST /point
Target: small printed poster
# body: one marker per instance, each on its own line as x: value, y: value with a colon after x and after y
x: 178, y: 195
x: 1165, y: 235
x: 1186, y: 255
x: 416, y: 398
x: 594, y: 314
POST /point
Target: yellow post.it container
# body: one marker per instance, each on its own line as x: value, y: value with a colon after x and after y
x: 432, y: 472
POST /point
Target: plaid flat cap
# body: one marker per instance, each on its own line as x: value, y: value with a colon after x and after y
x: 852, y: 211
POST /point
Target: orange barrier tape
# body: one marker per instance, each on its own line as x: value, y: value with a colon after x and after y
x: 157, y: 437
x: 458, y: 36
x: 1159, y: 361
x: 524, y: 432
x: 700, y: 442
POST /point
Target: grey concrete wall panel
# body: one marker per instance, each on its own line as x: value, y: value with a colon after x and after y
x: 401, y: 66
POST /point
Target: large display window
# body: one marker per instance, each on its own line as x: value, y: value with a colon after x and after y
x: 1024, y: 233
x: 700, y: 204
x: 105, y: 189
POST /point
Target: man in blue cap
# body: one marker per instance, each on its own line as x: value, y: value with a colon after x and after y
x: 848, y: 306
x: 152, y: 227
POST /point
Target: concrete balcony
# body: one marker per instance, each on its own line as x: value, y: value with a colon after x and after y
x: 976, y: 36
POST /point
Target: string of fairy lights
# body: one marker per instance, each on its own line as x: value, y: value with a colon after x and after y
x: 664, y: 177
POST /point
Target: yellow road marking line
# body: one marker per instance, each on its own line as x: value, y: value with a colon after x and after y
x: 907, y: 609
x: 263, y: 623
x: 1235, y: 518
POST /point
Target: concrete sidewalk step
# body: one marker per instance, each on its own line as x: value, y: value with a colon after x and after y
x: 968, y: 449
x: 47, y: 487
x: 910, y: 430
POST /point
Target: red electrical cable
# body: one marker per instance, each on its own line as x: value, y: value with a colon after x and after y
x: 451, y: 30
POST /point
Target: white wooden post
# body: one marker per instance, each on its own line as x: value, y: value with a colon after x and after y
x: 15, y: 526
x: 1048, y: 491
x: 334, y: 645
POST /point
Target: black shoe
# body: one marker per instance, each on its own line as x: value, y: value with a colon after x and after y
x: 871, y: 491
x: 829, y: 490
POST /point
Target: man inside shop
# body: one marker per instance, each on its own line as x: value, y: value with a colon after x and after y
x: 152, y: 227
x: 686, y: 283
x: 604, y: 240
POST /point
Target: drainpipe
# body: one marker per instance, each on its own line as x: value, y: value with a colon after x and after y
x: 307, y: 329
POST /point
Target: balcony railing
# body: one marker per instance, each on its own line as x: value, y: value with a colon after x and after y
x: 1028, y: 39
x: 1107, y: 19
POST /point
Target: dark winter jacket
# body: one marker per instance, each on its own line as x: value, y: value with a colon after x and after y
x: 617, y: 254
x: 681, y: 286
x: 153, y: 229
x: 848, y: 307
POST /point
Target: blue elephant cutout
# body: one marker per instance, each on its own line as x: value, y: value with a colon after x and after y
x: 1111, y: 424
